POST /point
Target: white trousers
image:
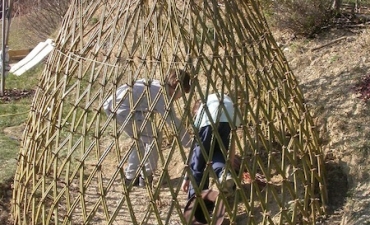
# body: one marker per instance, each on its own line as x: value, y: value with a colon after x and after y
x: 144, y: 142
x: 150, y: 164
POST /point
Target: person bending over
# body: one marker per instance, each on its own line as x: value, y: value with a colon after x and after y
x: 220, y: 111
x: 132, y: 105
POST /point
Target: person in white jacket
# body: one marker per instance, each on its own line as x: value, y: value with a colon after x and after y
x: 131, y: 106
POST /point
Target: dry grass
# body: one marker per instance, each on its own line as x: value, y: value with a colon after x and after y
x: 328, y: 77
x: 20, y: 40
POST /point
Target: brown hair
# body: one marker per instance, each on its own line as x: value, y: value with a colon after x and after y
x: 183, y: 77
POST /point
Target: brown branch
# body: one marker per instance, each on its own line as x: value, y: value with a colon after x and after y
x: 327, y: 44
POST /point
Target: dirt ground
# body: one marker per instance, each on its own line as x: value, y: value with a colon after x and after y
x: 330, y: 69
x: 334, y: 71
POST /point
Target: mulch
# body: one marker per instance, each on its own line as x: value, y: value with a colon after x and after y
x: 363, y: 88
x: 14, y: 94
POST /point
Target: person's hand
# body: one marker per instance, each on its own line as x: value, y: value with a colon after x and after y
x: 186, y: 140
x: 196, y: 107
x: 185, y: 185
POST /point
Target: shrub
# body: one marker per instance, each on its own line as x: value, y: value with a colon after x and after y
x: 303, y: 17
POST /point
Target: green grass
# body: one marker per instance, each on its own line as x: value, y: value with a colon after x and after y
x: 14, y: 113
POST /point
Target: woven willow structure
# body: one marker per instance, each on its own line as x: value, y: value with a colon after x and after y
x: 71, y: 161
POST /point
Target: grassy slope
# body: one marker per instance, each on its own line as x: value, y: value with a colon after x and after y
x: 13, y: 114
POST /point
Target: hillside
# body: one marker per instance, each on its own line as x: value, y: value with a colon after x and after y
x: 329, y: 68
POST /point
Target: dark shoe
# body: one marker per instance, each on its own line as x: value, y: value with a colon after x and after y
x: 200, y: 216
x: 142, y: 182
x: 129, y: 181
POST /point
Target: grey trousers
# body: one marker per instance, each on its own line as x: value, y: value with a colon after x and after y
x: 150, y: 165
x: 145, y: 144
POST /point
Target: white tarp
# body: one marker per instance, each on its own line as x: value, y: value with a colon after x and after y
x: 33, y: 58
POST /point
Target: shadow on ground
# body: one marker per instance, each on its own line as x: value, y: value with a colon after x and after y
x: 5, y: 202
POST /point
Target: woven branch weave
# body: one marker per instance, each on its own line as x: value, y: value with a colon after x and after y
x: 72, y: 156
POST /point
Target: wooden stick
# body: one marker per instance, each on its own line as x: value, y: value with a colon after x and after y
x: 327, y: 44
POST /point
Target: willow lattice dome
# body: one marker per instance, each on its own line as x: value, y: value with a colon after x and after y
x: 72, y: 159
